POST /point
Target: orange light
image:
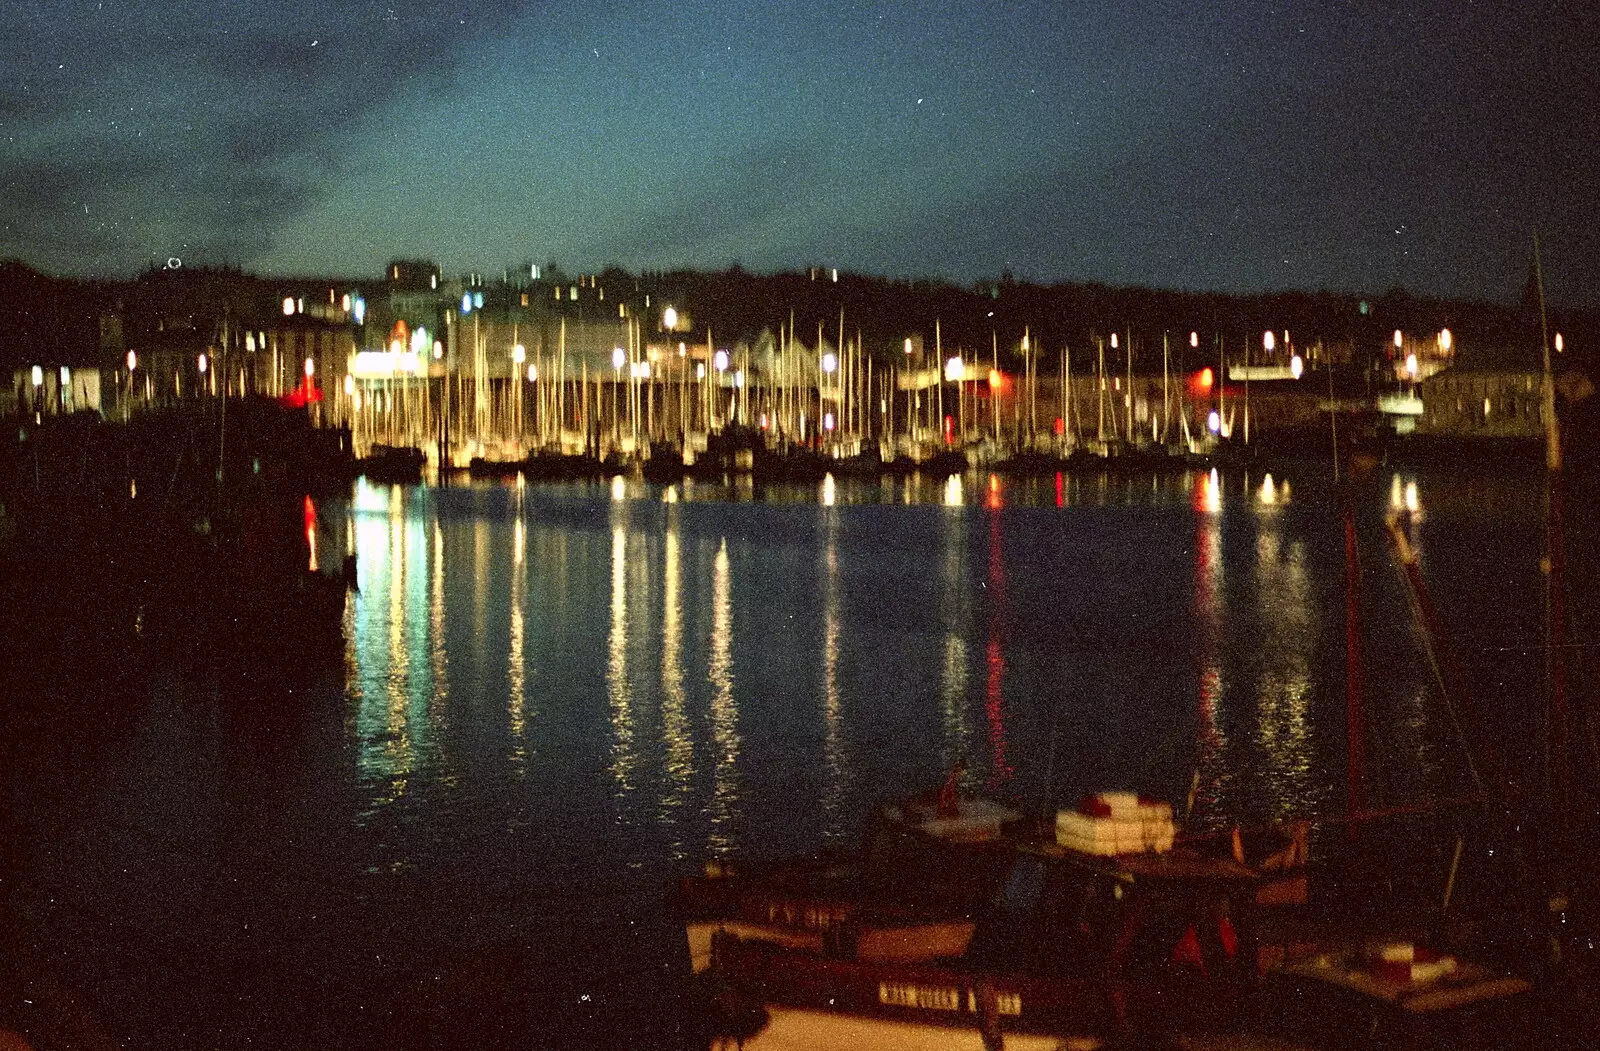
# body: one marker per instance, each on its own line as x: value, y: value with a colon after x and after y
x: 996, y: 380
x: 1205, y: 379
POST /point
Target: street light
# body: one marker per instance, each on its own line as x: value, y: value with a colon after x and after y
x: 830, y: 363
x: 1445, y: 339
x: 1269, y: 342
x: 519, y: 353
x: 1194, y: 339
x: 669, y: 319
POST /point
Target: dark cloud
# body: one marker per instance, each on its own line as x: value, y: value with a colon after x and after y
x: 726, y: 208
x: 213, y: 124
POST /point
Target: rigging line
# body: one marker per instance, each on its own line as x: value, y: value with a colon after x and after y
x: 1408, y: 564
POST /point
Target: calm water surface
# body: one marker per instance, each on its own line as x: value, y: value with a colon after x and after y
x: 553, y: 701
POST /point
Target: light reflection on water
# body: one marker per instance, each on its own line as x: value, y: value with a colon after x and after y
x: 835, y: 752
x: 724, y: 709
x: 766, y: 698
x: 554, y: 699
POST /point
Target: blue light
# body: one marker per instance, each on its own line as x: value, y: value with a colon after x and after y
x: 359, y: 308
x: 466, y: 303
x: 477, y: 300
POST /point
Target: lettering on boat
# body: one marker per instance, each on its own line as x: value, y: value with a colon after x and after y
x: 1006, y: 1003
x: 933, y: 997
x: 807, y: 917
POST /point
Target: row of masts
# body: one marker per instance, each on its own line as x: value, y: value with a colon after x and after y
x: 831, y: 396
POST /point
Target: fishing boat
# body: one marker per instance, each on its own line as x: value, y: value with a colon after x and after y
x: 968, y: 926
x: 392, y: 464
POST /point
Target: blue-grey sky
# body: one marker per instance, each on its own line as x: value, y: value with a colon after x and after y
x: 1230, y: 144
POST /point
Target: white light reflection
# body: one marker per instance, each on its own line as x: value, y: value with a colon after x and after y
x: 724, y: 710
x: 955, y: 672
x: 676, y: 732
x: 1283, y: 729
x: 952, y: 491
x: 619, y: 488
x: 388, y: 693
x: 618, y: 690
x: 835, y: 756
x: 1211, y: 493
x: 1210, y: 606
x: 829, y: 490
x: 516, y: 668
x: 438, y: 656
x: 1269, y: 492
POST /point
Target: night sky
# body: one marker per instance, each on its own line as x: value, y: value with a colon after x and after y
x: 1205, y: 144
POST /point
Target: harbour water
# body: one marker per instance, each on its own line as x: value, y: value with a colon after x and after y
x: 554, y: 701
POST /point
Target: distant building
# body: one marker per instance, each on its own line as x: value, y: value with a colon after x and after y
x: 1482, y: 402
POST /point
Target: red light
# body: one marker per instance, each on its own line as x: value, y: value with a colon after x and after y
x: 1059, y: 427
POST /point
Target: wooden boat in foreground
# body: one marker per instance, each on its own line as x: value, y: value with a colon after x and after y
x: 967, y: 927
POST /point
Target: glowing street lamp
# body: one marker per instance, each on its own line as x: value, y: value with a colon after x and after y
x: 830, y: 363
x: 1399, y: 340
x: 201, y: 364
x: 1560, y: 343
x: 619, y: 358
x: 1297, y: 366
x: 311, y: 368
x: 1194, y: 339
x: 1411, y: 365
x: 1445, y: 339
x: 38, y: 376
x: 669, y: 319
x: 720, y: 361
x: 519, y: 353
x: 954, y: 370
x: 133, y: 361
x: 1269, y: 342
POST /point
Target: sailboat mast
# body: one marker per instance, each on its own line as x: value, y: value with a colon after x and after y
x: 1127, y: 395
x: 1555, y: 559
x: 1100, y: 433
x: 1166, y: 388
